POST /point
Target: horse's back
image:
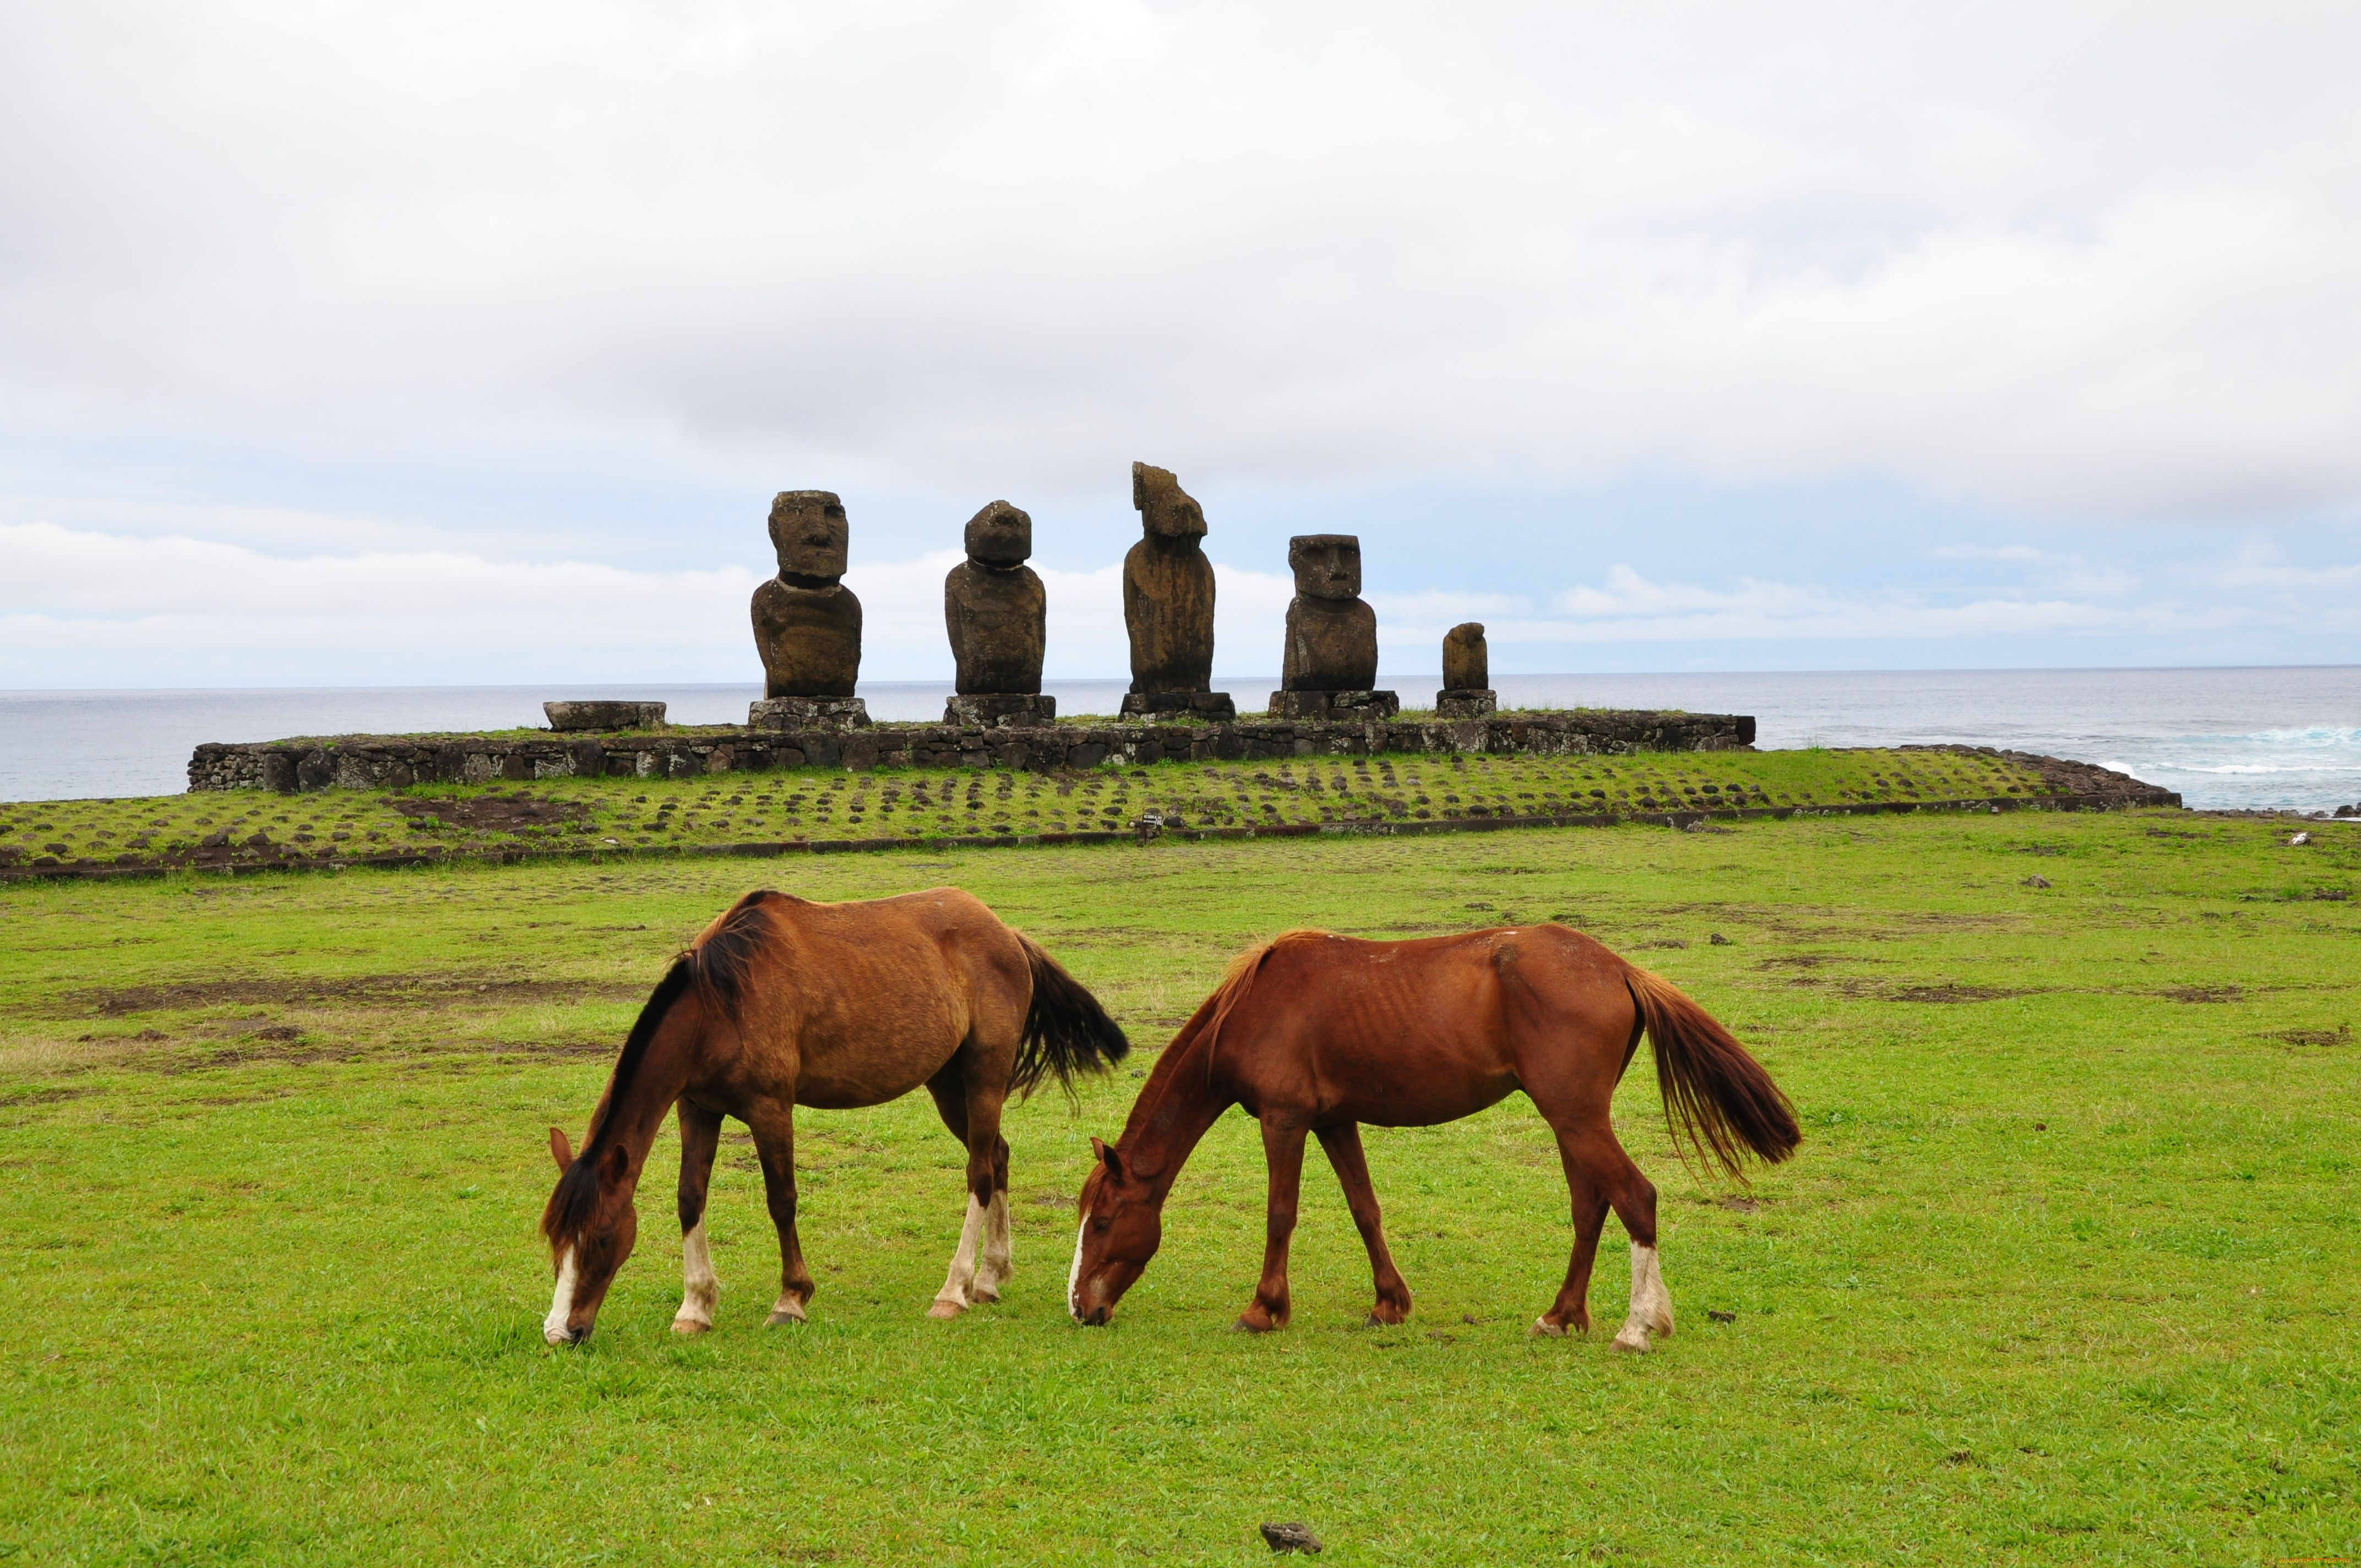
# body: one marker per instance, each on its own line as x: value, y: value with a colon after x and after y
x: 1413, y: 1033
x: 876, y: 995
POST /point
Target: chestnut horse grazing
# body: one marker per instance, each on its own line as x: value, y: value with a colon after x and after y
x: 783, y: 1002
x: 1315, y: 1032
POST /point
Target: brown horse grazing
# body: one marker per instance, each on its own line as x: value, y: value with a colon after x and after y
x: 1315, y: 1032
x: 783, y: 1002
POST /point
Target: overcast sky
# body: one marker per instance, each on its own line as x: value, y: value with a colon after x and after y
x: 435, y: 343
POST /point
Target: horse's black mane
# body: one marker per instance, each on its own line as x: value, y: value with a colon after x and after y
x: 717, y: 964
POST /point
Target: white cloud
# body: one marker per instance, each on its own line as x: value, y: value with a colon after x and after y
x: 2076, y: 261
x: 82, y: 608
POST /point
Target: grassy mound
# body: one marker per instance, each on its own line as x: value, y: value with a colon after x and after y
x: 255, y: 828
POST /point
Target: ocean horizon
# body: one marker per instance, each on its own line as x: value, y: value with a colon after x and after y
x: 2254, y: 737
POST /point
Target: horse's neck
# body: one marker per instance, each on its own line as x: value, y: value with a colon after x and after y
x: 1173, y: 1115
x: 635, y: 1121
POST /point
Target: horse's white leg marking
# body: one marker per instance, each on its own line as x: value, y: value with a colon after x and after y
x: 699, y: 1290
x: 995, y: 1269
x: 951, y: 1300
x: 1651, y: 1304
x: 1074, y: 1275
x: 561, y: 1306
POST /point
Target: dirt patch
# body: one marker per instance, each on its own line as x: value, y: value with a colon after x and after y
x: 493, y: 813
x: 373, y: 991
x: 1953, y: 994
x: 2200, y: 994
x: 2340, y: 1036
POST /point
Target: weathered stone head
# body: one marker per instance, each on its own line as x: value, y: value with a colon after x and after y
x: 1000, y: 535
x: 1166, y: 510
x: 1327, y: 566
x: 808, y: 530
x: 1467, y: 662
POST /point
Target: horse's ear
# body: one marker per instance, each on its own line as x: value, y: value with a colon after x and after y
x: 616, y: 1163
x: 559, y: 1149
x: 1106, y: 1158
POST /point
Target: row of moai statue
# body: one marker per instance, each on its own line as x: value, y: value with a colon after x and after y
x: 808, y: 623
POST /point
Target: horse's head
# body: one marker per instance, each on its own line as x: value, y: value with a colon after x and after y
x: 1123, y: 1224
x: 591, y: 1223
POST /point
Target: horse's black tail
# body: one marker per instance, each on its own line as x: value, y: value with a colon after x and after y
x: 1717, y: 1098
x: 1066, y: 1030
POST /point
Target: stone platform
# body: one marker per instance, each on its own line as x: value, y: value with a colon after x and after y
x: 383, y: 762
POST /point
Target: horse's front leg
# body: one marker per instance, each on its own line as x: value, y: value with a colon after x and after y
x: 774, y: 1126
x: 1282, y: 1150
x: 700, y: 1134
x: 1343, y: 1146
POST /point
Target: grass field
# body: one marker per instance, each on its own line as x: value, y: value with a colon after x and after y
x: 2066, y: 1272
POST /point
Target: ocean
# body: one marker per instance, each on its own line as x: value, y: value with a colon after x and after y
x: 2237, y: 739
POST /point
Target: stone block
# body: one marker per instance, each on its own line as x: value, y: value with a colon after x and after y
x: 1463, y: 703
x: 1345, y: 706
x: 604, y: 715
x: 1210, y: 708
x: 1001, y: 711
x: 808, y: 713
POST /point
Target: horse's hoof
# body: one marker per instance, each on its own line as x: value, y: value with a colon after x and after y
x: 983, y: 1296
x: 1246, y: 1325
x: 945, y: 1311
x: 1544, y: 1326
x: 1632, y: 1342
x: 792, y: 1313
x: 690, y: 1326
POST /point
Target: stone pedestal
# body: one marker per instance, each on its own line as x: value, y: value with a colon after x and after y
x: 994, y: 710
x: 1209, y: 707
x: 1466, y: 703
x: 808, y: 713
x: 1349, y: 707
x: 604, y: 715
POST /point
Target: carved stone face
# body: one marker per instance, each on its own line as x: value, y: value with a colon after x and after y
x: 999, y: 535
x: 1165, y: 509
x: 1327, y: 566
x: 808, y: 529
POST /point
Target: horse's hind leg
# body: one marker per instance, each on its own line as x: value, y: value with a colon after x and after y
x: 1587, y: 1167
x: 1652, y: 1305
x: 1600, y: 1175
x: 773, y: 1126
x: 700, y: 1134
x: 1343, y: 1146
x: 971, y: 1109
x: 998, y: 1266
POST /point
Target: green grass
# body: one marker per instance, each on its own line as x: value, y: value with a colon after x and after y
x: 2066, y: 1272
x: 950, y: 804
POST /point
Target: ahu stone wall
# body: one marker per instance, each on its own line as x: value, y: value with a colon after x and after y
x: 381, y: 761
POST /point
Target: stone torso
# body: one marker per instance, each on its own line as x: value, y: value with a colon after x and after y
x: 1168, y: 605
x: 998, y: 621
x: 1332, y: 645
x: 809, y: 639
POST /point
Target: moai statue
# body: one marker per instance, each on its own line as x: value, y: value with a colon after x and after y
x: 1168, y: 603
x: 997, y: 614
x: 1332, y: 636
x: 1466, y: 675
x: 806, y: 622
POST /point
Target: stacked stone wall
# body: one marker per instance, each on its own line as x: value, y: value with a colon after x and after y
x: 377, y: 762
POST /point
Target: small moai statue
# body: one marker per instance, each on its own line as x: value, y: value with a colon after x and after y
x: 1168, y: 603
x: 997, y: 614
x: 1466, y: 675
x: 1331, y: 661
x: 806, y: 622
